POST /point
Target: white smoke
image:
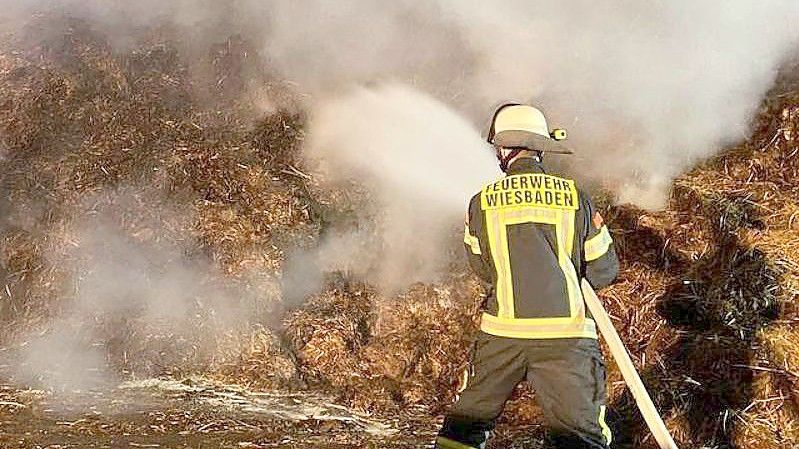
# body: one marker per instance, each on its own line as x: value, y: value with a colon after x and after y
x: 135, y: 297
x: 422, y: 162
x: 645, y: 89
x: 671, y: 81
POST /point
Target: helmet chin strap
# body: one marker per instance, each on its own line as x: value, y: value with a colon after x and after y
x: 504, y: 161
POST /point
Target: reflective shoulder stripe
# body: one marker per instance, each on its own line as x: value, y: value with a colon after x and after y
x: 604, y: 425
x: 597, y: 246
x: 472, y: 241
x: 446, y: 443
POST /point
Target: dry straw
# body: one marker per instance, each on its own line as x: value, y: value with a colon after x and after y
x: 705, y: 301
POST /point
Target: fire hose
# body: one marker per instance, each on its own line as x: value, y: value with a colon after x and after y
x: 628, y: 371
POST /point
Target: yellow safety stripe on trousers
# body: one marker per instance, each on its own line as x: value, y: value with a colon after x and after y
x: 472, y: 241
x: 604, y: 425
x: 464, y: 379
x: 446, y: 443
x: 538, y: 328
x: 497, y: 222
x: 464, y: 383
x: 598, y: 245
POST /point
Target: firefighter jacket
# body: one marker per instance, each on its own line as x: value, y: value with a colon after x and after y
x: 533, y: 236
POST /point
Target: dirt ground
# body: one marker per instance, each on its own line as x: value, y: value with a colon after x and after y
x: 199, y: 413
x: 192, y: 414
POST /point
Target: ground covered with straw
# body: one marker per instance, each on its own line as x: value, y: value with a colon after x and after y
x: 135, y: 143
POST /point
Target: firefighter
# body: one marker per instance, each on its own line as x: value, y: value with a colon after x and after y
x: 532, y: 236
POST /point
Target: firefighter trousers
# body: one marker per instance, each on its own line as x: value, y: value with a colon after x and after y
x: 568, y: 376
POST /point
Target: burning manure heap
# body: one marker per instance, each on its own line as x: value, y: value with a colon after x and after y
x: 151, y: 224
x: 138, y: 222
x: 706, y: 299
x: 705, y: 302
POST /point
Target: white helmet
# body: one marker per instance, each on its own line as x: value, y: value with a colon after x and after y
x: 522, y: 126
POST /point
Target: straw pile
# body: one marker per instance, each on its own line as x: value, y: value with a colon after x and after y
x: 387, y: 352
x: 705, y: 301
x: 89, y: 132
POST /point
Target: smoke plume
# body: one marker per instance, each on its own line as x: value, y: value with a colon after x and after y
x: 646, y: 90
x: 136, y: 298
x: 421, y: 161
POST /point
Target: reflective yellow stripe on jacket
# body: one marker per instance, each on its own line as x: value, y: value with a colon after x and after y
x: 472, y: 241
x: 506, y: 323
x: 598, y: 245
x: 543, y: 328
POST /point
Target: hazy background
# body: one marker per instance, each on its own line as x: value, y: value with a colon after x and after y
x: 646, y: 89
x: 136, y: 295
x: 398, y: 93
